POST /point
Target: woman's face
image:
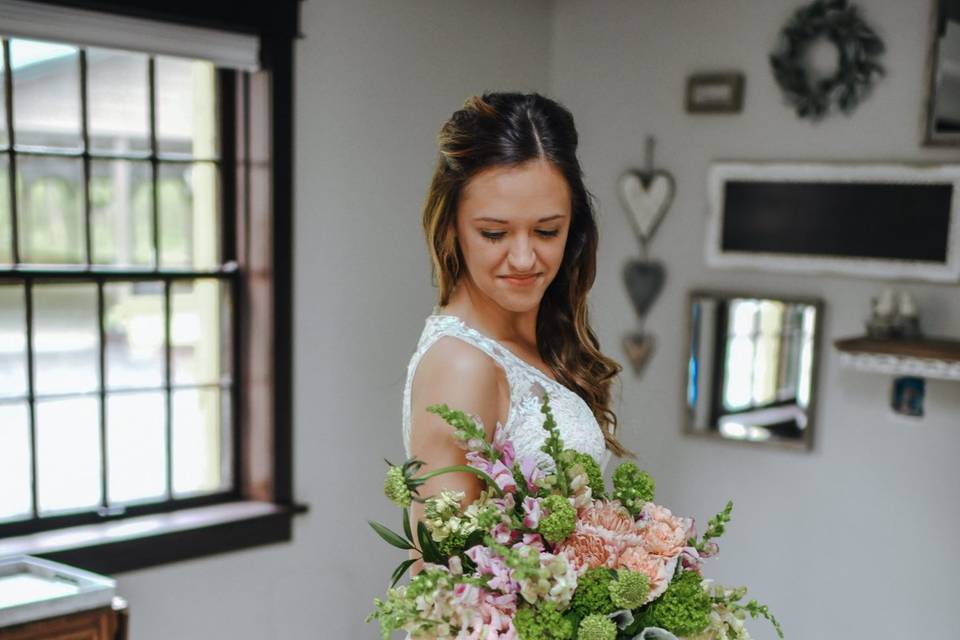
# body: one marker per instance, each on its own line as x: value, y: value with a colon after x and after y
x: 512, y: 225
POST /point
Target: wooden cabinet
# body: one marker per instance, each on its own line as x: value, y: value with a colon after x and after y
x: 106, y: 623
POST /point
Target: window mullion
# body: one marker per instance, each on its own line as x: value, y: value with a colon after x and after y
x: 12, y: 164
x: 154, y: 166
x: 85, y: 146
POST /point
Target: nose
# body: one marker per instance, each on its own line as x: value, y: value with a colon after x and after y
x: 521, y: 257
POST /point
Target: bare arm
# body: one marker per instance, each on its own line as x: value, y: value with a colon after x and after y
x: 461, y: 376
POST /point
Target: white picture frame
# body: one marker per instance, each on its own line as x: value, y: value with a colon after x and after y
x: 722, y: 172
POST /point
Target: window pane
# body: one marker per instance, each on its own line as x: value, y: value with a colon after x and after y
x: 6, y: 214
x: 14, y: 461
x: 198, y: 425
x: 13, y: 342
x: 46, y: 94
x: 121, y: 207
x: 186, y: 108
x: 136, y: 447
x: 68, y: 454
x: 4, y: 136
x: 118, y: 100
x: 198, y: 331
x: 134, y: 331
x: 65, y: 338
x: 50, y: 198
x: 189, y: 217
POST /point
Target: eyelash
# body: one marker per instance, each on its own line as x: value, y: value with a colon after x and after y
x: 494, y: 236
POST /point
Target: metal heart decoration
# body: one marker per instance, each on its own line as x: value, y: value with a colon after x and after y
x: 638, y: 347
x: 646, y: 197
x: 644, y: 280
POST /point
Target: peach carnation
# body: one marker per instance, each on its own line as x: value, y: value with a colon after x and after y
x: 664, y: 534
x: 588, y: 550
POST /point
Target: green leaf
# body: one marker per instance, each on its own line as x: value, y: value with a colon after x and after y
x: 400, y: 570
x: 406, y: 525
x: 428, y: 548
x: 392, y: 538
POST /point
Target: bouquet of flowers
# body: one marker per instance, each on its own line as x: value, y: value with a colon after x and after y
x: 551, y: 554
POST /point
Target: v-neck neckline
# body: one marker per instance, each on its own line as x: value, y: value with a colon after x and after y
x: 526, y: 364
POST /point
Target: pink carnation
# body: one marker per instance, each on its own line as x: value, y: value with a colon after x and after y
x: 665, y: 534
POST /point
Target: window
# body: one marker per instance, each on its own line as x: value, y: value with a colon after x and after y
x: 140, y: 213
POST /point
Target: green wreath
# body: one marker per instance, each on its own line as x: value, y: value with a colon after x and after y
x: 858, y: 47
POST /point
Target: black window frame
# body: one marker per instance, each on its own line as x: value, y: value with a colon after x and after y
x: 214, y: 529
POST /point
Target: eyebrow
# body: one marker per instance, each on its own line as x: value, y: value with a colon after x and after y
x: 497, y: 220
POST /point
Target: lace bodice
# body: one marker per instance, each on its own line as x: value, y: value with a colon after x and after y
x: 524, y: 424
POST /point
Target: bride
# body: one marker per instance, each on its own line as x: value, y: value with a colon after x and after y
x: 513, y: 241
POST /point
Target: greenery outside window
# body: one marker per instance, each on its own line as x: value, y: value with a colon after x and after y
x: 139, y: 226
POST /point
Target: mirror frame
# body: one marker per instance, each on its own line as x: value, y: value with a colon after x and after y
x: 804, y: 444
x: 930, y: 138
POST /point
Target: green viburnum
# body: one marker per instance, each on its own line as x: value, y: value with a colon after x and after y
x: 395, y: 487
x: 632, y: 487
x: 589, y: 466
x: 684, y: 608
x: 593, y: 593
x: 630, y: 589
x: 561, y: 520
x: 597, y: 627
x: 542, y: 622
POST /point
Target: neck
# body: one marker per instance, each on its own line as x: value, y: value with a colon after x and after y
x: 482, y: 313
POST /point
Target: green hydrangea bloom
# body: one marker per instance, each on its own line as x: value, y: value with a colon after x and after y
x: 542, y: 622
x: 561, y: 521
x: 683, y: 609
x: 632, y: 487
x: 597, y: 627
x: 630, y: 589
x: 395, y: 487
x: 576, y: 458
x: 593, y: 593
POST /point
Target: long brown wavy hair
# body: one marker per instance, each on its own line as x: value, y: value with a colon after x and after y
x: 510, y: 129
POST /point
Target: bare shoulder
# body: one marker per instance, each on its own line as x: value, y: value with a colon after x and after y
x: 460, y: 375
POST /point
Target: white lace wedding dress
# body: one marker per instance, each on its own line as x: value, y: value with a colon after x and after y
x: 524, y: 424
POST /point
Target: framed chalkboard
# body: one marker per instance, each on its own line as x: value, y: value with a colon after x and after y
x: 884, y: 221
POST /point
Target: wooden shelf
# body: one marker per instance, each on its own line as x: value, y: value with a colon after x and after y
x: 924, y: 358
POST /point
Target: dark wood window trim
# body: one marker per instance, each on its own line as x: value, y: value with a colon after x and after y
x: 263, y: 208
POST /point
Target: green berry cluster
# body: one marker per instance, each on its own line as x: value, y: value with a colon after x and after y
x: 395, y: 487
x: 542, y: 622
x: 588, y: 465
x: 593, y: 593
x: 630, y: 589
x: 560, y: 520
x: 597, y: 627
x: 683, y: 609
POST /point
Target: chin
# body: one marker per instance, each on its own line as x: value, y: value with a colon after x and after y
x: 519, y: 303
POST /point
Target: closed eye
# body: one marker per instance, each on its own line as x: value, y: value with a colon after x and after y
x: 493, y: 236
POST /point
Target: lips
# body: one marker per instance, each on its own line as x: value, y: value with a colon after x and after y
x: 521, y: 280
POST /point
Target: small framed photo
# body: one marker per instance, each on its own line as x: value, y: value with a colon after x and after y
x: 715, y: 92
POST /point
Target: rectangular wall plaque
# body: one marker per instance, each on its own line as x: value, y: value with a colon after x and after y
x: 883, y: 221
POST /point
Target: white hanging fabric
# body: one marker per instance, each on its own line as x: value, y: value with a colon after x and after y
x: 19, y: 19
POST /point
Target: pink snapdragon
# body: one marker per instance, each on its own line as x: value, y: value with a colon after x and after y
x: 531, y: 512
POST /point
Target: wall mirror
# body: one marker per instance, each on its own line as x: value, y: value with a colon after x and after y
x: 942, y: 121
x: 751, y: 367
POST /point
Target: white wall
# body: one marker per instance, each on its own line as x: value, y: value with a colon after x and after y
x: 864, y: 524
x: 374, y: 82
x: 851, y: 540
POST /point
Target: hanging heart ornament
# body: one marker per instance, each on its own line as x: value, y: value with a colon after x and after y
x: 644, y: 280
x: 646, y: 196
